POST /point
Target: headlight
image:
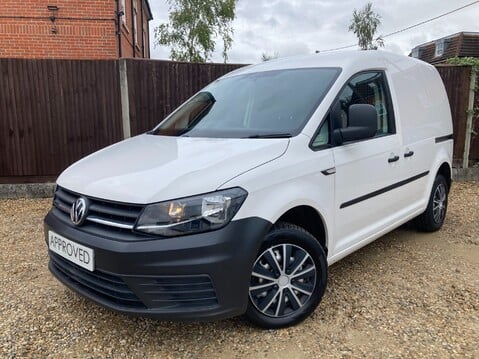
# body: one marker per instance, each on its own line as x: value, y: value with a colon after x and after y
x: 191, y: 214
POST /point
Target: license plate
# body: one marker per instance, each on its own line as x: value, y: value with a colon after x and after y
x: 74, y: 252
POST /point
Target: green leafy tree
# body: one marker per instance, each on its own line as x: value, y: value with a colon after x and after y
x: 266, y: 57
x: 470, y: 61
x: 193, y: 27
x: 364, y: 24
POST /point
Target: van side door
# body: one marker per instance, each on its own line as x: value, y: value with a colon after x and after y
x: 366, y: 169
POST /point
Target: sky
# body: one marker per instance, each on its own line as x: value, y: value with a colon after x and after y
x: 296, y: 27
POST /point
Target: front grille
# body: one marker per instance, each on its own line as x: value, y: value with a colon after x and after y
x: 99, y: 284
x: 176, y: 292
x: 105, y: 218
x: 161, y: 293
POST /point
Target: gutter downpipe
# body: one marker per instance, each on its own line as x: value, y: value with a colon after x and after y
x: 133, y: 28
x: 118, y: 27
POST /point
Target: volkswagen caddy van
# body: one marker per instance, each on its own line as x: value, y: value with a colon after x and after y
x: 238, y: 201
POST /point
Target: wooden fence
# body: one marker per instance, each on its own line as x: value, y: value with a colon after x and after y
x: 54, y: 112
x: 457, y: 81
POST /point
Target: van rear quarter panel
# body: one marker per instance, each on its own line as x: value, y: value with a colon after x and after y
x: 421, y: 105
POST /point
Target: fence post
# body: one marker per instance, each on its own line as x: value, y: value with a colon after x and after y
x: 470, y: 114
x: 125, y: 100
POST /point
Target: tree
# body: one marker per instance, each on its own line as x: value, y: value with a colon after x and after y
x: 266, y: 57
x: 193, y: 27
x: 364, y: 24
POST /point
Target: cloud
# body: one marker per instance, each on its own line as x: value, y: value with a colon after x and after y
x: 294, y: 27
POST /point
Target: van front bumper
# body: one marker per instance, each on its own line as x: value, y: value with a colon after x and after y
x: 203, y: 276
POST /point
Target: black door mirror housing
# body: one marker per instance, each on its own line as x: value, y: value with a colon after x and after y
x: 362, y: 124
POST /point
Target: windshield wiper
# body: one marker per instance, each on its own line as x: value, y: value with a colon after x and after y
x: 271, y: 135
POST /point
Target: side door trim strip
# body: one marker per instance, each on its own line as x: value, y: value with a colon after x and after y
x: 383, y: 190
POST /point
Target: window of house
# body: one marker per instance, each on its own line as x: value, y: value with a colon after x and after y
x: 439, y: 48
x: 415, y: 52
x: 135, y: 22
x: 123, y: 8
x: 145, y: 43
x: 365, y: 88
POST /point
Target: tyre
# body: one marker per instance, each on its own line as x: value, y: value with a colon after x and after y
x: 433, y: 217
x: 288, y: 278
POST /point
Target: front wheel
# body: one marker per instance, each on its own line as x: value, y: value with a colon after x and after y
x: 288, y: 278
x: 433, y: 217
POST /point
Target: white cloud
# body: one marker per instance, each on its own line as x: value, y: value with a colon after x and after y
x: 293, y: 27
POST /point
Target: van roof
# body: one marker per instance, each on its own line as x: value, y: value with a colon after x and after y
x: 352, y: 60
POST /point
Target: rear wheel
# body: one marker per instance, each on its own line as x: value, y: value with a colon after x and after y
x: 433, y: 217
x: 288, y: 278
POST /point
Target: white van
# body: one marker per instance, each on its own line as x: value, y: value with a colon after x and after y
x: 239, y: 200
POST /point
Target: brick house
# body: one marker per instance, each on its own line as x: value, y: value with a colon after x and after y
x: 75, y: 29
x: 462, y: 44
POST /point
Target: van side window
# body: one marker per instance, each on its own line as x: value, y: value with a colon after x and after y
x: 322, y: 138
x: 366, y: 88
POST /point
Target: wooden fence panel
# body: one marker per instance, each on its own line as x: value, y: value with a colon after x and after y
x: 456, y: 81
x: 156, y: 88
x: 54, y: 112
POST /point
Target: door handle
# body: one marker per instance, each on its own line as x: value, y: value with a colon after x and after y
x: 329, y: 171
x: 408, y: 154
x: 393, y: 159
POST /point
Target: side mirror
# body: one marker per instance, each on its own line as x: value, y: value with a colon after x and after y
x: 362, y: 124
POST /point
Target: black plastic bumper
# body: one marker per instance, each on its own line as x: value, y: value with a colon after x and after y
x: 198, y: 277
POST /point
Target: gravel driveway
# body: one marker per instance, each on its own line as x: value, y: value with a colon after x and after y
x: 407, y: 294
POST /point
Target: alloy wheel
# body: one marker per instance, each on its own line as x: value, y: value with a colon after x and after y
x: 439, y: 203
x: 283, y: 280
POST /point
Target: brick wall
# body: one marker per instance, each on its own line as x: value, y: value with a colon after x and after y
x: 83, y: 29
x: 129, y: 47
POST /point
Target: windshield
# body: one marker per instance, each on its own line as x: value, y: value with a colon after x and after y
x: 264, y: 104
